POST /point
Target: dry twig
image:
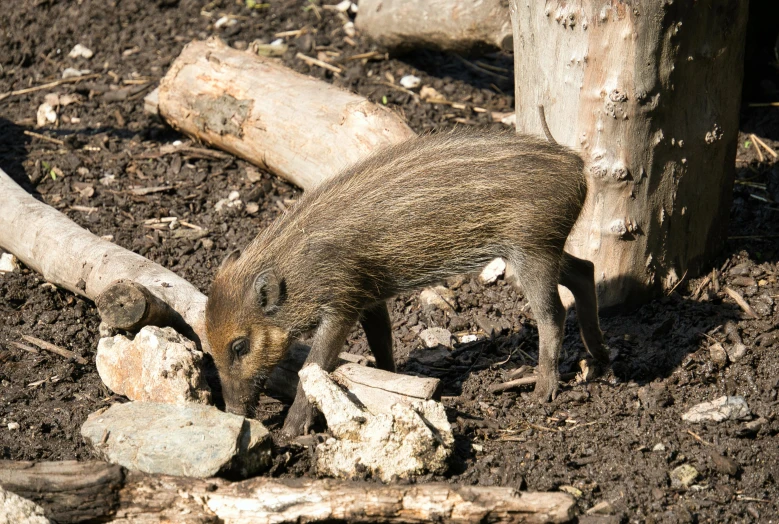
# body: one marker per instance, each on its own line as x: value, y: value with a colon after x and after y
x: 314, y: 61
x: 765, y: 146
x: 44, y: 137
x: 71, y: 80
x: 48, y: 346
x: 735, y: 295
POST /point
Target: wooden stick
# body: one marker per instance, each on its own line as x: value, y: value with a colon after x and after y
x: 48, y: 346
x: 760, y: 156
x: 314, y: 61
x: 25, y: 347
x: 735, y: 295
x: 44, y: 137
x: 72, y: 491
x: 71, y: 80
x: 525, y: 381
x: 765, y: 146
x: 73, y: 258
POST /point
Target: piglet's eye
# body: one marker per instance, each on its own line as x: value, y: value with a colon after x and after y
x: 240, y: 347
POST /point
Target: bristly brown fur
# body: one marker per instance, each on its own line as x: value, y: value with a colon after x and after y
x: 408, y: 216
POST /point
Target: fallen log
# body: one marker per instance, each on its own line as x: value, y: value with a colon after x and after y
x: 73, y: 491
x: 71, y: 257
x: 441, y: 24
x: 130, y: 306
x: 300, y: 128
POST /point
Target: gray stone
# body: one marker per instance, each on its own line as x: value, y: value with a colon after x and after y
x: 438, y: 297
x: 17, y: 510
x: 192, y: 440
x: 723, y: 408
x: 736, y: 352
x: 718, y: 355
x: 436, y: 336
x: 683, y: 476
x: 158, y: 365
x: 493, y: 271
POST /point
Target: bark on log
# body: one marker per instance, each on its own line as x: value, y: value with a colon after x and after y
x: 649, y: 92
x: 440, y: 24
x: 75, y: 491
x: 302, y: 129
x: 71, y: 257
x: 130, y: 306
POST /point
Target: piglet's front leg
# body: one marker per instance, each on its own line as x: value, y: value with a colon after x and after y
x: 328, y: 341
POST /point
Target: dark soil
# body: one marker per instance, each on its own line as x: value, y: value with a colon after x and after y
x: 601, y: 438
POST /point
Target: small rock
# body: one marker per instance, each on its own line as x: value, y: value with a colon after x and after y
x: 8, y: 263
x: 45, y: 115
x: 232, y: 201
x: 723, y: 464
x: 410, y: 81
x: 439, y: 297
x: 683, y: 476
x: 736, y: 352
x: 17, y: 510
x: 743, y: 281
x: 490, y: 327
x: 752, y: 427
x: 80, y: 51
x: 493, y: 271
x: 13, y: 426
x: 429, y: 93
x: 436, y: 336
x: 601, y: 508
x: 465, y: 339
x: 576, y: 492
x: 718, y: 355
x: 252, y: 208
x: 723, y: 408
x: 233, y: 196
x: 158, y: 365
x: 71, y: 72
x: 741, y: 269
x: 190, y: 440
x: 659, y: 447
x: 349, y: 29
x: 412, y: 440
x: 253, y: 175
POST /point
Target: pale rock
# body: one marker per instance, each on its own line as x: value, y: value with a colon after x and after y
x: 349, y: 29
x: 736, y: 352
x: 232, y: 201
x: 723, y: 408
x: 253, y: 175
x: 8, y: 263
x: 412, y: 440
x: 430, y: 93
x: 45, y: 115
x: 439, y: 297
x: 343, y: 6
x: 158, y: 365
x: 683, y: 476
x: 191, y: 440
x: 71, y: 72
x: 436, y: 336
x: 13, y: 426
x: 410, y: 81
x: 17, y: 510
x: 470, y: 337
x: 718, y: 355
x: 233, y: 196
x: 659, y: 447
x: 80, y: 51
x: 252, y: 208
x: 493, y: 271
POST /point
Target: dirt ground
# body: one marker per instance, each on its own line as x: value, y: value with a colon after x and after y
x: 616, y: 439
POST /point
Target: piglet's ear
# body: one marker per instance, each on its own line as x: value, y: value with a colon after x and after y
x: 270, y: 291
x: 230, y: 259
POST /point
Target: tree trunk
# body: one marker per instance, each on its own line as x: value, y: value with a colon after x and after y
x: 441, y: 24
x: 71, y: 257
x: 73, y: 491
x: 649, y: 92
x: 302, y: 129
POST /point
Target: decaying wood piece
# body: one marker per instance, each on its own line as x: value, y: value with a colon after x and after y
x: 76, y: 491
x: 130, y: 306
x: 378, y: 390
x: 302, y: 129
x: 73, y: 258
x: 440, y: 24
x: 661, y: 157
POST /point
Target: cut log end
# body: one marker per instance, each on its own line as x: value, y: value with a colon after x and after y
x: 129, y: 306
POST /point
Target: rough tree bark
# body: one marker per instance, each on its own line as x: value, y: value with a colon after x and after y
x: 71, y: 257
x: 649, y: 92
x: 302, y: 129
x: 72, y: 491
x: 440, y: 24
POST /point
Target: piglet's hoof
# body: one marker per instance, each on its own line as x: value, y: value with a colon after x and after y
x: 547, y: 387
x: 299, y: 420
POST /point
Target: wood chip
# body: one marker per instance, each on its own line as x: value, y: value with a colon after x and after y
x: 140, y: 191
x: 735, y: 295
x: 324, y: 65
x: 48, y: 346
x: 25, y: 347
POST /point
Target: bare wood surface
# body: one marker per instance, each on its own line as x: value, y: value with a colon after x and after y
x: 378, y: 390
x: 440, y: 24
x: 661, y: 158
x: 743, y: 304
x: 130, y: 306
x: 302, y: 129
x: 71, y: 257
x: 76, y: 491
